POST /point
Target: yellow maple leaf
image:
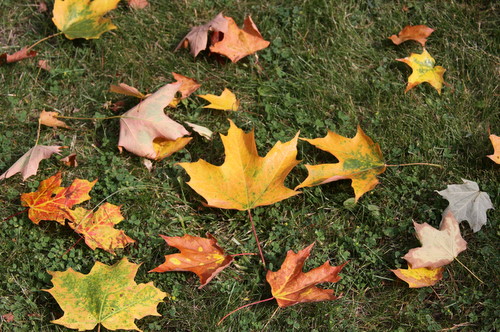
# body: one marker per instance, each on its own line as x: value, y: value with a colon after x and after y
x: 421, y: 277
x: 424, y: 71
x: 245, y: 180
x: 83, y: 18
x: 495, y: 141
x: 226, y: 101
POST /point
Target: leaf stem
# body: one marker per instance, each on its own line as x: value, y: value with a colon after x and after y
x: 256, y: 238
x: 465, y: 267
x: 77, y: 118
x: 38, y: 132
x: 44, y: 39
x: 244, y: 254
x: 15, y: 214
x: 415, y: 164
x: 246, y: 305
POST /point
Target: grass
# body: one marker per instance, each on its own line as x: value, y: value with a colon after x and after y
x: 329, y: 66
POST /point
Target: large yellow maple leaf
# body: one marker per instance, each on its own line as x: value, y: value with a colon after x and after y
x: 245, y: 180
x: 360, y: 159
x: 424, y: 71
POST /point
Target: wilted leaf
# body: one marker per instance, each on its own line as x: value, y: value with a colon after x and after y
x: 138, y: 4
x: 98, y: 227
x: 22, y: 54
x: 360, y: 159
x: 238, y: 43
x: 108, y: 295
x: 51, y: 201
x: 144, y: 123
x: 467, y: 202
x: 28, y: 164
x: 50, y: 119
x: 202, y: 256
x: 418, y: 33
x: 226, y: 101
x: 439, y: 247
x: 197, y: 38
x: 203, y: 131
x: 83, y: 18
x: 188, y: 86
x: 289, y: 285
x: 44, y: 64
x: 421, y: 277
x: 245, y: 180
x: 165, y: 148
x: 424, y: 71
x: 127, y: 90
x: 70, y: 160
x: 495, y: 141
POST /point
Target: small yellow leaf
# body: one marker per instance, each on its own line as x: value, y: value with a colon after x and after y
x: 226, y: 101
x: 165, y: 148
x: 424, y: 71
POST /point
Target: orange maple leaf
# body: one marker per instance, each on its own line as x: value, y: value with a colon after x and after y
x: 189, y: 85
x: 199, y: 255
x: 238, y: 43
x: 98, y: 227
x: 360, y: 159
x: 439, y: 247
x: 245, y: 180
x: 422, y: 277
x: 495, y: 141
x: 289, y: 285
x: 418, y: 33
x: 51, y: 201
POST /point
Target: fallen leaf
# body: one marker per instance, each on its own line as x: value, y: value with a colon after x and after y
x: 238, y: 43
x: 83, y: 18
x: 495, y: 141
x: 165, y: 148
x: 418, y: 33
x: 126, y: 90
x: 98, y: 227
x: 360, y: 159
x: 148, y: 164
x: 22, y: 54
x: 467, y: 202
x: 188, y: 86
x: 422, y: 277
x: 424, y: 71
x: 44, y: 64
x: 70, y: 160
x: 439, y: 247
x: 197, y: 38
x: 138, y: 4
x: 202, y: 256
x: 42, y: 7
x: 226, y: 101
x: 245, y: 180
x: 107, y: 295
x: 8, y: 318
x: 50, y: 119
x: 28, y: 164
x: 203, y: 131
x: 289, y: 285
x: 144, y: 123
x: 51, y: 200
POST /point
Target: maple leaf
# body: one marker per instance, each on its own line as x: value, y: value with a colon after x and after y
x: 495, y: 141
x: 360, y: 159
x: 189, y: 85
x: 202, y: 256
x: 245, y: 180
x: 51, y: 200
x: 98, y: 227
x: 238, y: 43
x: 83, y: 18
x: 197, y: 37
x: 144, y: 123
x: 226, y: 101
x: 22, y: 54
x: 422, y: 277
x: 126, y: 90
x: 107, y: 295
x: 467, y: 202
x: 50, y: 119
x: 439, y: 247
x: 165, y: 148
x: 424, y: 71
x: 418, y: 33
x: 289, y: 285
x: 28, y: 164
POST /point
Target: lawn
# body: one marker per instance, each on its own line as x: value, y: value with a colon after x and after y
x: 330, y: 66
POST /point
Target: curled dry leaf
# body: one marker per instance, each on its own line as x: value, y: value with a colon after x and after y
x: 138, y: 4
x: 51, y: 200
x: 360, y: 159
x: 424, y: 71
x: 50, y: 119
x: 422, y: 277
x: 289, y: 285
x: 126, y: 90
x: 202, y: 256
x: 439, y: 247
x: 28, y: 164
x: 22, y: 54
x: 202, y: 131
x: 44, y: 64
x: 70, y: 160
x: 189, y: 85
x: 226, y: 101
x: 418, y: 33
x: 495, y: 141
